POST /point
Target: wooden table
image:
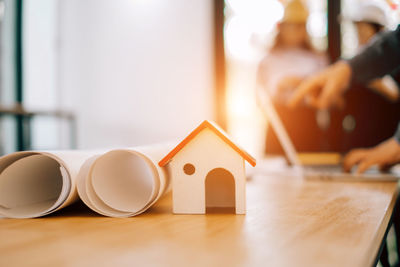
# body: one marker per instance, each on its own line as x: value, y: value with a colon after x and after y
x: 289, y: 222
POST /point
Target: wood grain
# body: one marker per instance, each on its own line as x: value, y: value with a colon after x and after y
x: 289, y: 222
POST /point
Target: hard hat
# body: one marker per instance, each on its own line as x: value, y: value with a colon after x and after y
x: 371, y: 11
x: 295, y: 12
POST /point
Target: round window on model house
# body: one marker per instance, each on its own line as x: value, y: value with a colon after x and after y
x: 189, y: 168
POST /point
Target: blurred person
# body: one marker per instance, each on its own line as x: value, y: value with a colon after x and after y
x: 325, y: 90
x: 292, y: 57
x: 370, y: 20
x: 289, y: 61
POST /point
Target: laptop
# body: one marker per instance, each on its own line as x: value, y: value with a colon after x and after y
x: 314, y: 172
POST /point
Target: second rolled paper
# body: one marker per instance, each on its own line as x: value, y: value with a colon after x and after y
x: 123, y: 182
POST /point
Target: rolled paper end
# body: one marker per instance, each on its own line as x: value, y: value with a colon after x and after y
x: 125, y: 181
x: 31, y: 185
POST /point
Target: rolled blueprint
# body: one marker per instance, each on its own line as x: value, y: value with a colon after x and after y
x: 34, y: 184
x: 124, y: 182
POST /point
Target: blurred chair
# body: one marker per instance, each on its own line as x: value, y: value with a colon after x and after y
x: 24, y: 119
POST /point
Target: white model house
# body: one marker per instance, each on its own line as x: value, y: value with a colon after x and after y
x: 208, y: 172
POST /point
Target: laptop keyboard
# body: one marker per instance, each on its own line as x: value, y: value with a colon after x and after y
x: 335, y: 172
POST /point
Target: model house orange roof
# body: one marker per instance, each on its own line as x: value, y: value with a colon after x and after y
x: 219, y: 132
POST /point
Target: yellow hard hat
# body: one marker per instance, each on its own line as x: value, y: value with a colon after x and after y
x: 295, y: 12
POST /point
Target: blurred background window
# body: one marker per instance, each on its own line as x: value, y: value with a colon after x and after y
x: 99, y: 73
x: 10, y: 56
x: 30, y: 116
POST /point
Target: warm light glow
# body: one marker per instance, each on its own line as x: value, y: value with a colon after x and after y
x: 244, y: 120
x: 250, y: 18
x: 248, y: 30
x: 317, y: 24
x: 240, y: 106
x: 261, y: 15
x: 261, y: 10
x: 238, y: 35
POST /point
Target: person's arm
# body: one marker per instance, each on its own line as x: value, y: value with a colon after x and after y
x: 326, y: 87
x: 379, y: 58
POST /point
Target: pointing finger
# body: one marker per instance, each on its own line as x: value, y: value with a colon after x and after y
x: 303, y: 90
x: 328, y: 95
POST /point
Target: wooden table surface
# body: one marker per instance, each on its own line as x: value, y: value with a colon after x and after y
x: 289, y: 222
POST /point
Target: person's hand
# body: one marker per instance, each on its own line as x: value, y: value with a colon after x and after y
x: 325, y: 89
x: 381, y: 87
x: 384, y: 155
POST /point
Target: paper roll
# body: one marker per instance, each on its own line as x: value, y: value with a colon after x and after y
x: 34, y: 184
x: 124, y: 182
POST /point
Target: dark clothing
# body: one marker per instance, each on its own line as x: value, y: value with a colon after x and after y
x: 396, y: 76
x: 378, y: 59
x: 397, y: 134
